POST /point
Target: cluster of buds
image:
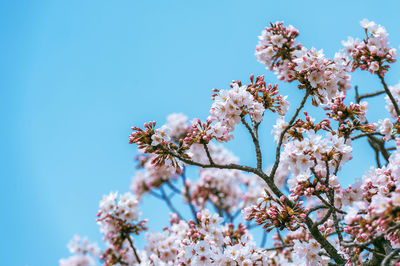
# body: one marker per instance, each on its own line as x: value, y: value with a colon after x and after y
x: 204, y: 132
x: 307, y: 187
x: 151, y: 177
x: 268, y: 95
x: 120, y: 250
x: 206, y: 223
x: 235, y: 235
x: 157, y: 142
x: 372, y: 53
x: 376, y: 215
x: 383, y: 185
x: 276, y: 213
x: 350, y: 117
x: 338, y: 111
x: 301, y: 126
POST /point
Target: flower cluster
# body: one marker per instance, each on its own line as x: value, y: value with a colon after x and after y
x: 220, y: 187
x: 374, y: 207
x: 157, y: 142
x: 314, y: 154
x: 83, y: 250
x: 279, y: 51
x: 275, y: 48
x: 117, y: 220
x: 372, y: 53
x: 230, y: 106
x: 273, y: 213
x: 151, y: 177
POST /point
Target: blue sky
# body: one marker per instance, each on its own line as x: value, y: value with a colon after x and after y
x: 76, y: 75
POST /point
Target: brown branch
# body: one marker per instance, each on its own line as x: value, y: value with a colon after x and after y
x: 366, y: 134
x: 333, y: 253
x: 134, y: 249
x: 369, y: 95
x: 279, y: 247
x: 278, y: 148
x: 189, y: 196
x: 390, y: 256
x: 169, y: 203
x: 392, y: 99
x: 173, y: 188
x: 208, y: 153
x: 254, y: 137
x: 316, y: 208
x: 324, y: 219
x: 379, y: 144
x: 214, y: 165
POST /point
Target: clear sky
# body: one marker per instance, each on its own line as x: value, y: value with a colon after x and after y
x: 76, y: 75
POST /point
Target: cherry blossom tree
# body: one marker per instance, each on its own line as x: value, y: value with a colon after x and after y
x: 298, y: 200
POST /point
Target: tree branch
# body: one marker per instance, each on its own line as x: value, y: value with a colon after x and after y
x: 254, y: 137
x: 134, y: 249
x: 392, y: 99
x: 188, y: 196
x: 278, y: 148
x: 369, y: 95
x: 169, y: 203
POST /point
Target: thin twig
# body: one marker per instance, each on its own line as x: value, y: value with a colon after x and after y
x: 366, y: 134
x: 292, y: 120
x: 324, y: 219
x: 188, y: 195
x: 316, y: 208
x: 173, y: 188
x: 208, y: 153
x: 254, y: 137
x: 369, y: 95
x: 279, y: 247
x: 134, y: 249
x: 169, y: 203
x: 264, y: 239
